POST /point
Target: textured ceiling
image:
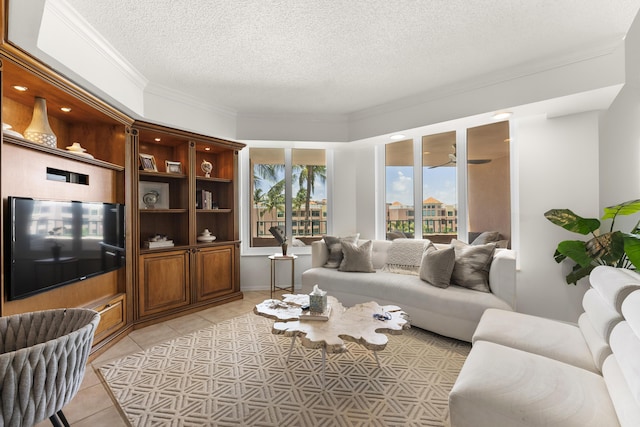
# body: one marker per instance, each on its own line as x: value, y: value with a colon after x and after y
x: 343, y: 56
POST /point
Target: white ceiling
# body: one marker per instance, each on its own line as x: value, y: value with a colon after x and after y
x: 343, y: 56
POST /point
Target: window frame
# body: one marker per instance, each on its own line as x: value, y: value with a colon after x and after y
x: 246, y: 174
x: 461, y: 177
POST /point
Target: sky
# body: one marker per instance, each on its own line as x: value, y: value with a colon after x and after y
x: 439, y: 183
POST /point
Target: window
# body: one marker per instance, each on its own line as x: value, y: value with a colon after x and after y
x: 439, y: 193
x: 480, y: 184
x: 399, y: 189
x: 288, y: 188
x: 488, y: 183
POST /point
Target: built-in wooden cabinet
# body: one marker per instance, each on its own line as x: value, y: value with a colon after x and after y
x: 36, y: 171
x: 176, y: 202
x: 164, y: 282
x: 215, y: 272
x: 155, y: 283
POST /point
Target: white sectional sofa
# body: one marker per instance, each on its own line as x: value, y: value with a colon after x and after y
x: 530, y: 371
x: 454, y: 311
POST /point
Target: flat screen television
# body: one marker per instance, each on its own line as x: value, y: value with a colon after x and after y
x: 52, y: 243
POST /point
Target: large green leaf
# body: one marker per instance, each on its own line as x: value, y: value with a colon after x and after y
x: 632, y: 248
x: 568, y: 220
x: 608, y: 247
x: 578, y: 273
x: 626, y: 208
x: 576, y: 250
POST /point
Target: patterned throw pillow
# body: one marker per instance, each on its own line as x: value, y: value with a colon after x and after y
x: 357, y: 258
x: 437, y: 266
x: 471, y: 269
x: 335, y: 248
x: 405, y: 256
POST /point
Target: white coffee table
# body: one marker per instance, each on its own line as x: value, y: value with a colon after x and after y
x: 356, y: 324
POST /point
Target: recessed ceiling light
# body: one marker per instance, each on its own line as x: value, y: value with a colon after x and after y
x: 157, y: 139
x: 66, y: 109
x: 397, y: 136
x: 501, y: 115
x: 20, y: 88
x: 207, y: 148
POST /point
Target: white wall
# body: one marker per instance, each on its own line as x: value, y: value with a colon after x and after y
x: 557, y: 167
x: 620, y: 137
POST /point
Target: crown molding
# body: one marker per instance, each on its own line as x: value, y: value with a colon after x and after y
x: 186, y: 99
x: 525, y: 69
x: 68, y: 16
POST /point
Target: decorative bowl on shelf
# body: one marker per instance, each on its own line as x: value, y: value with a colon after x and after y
x: 206, y: 236
x: 76, y: 148
x: 7, y: 130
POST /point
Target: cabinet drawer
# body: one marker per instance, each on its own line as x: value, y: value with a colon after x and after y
x: 112, y: 316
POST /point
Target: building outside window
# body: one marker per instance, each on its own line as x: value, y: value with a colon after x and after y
x: 288, y: 188
x: 487, y: 184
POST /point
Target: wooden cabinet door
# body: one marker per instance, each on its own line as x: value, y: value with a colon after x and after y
x: 214, y: 272
x: 164, y: 281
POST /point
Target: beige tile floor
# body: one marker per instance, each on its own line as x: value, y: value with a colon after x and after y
x: 93, y: 406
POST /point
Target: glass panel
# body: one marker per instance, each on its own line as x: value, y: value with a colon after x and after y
x: 268, y: 194
x: 488, y: 180
x: 399, y: 189
x: 439, y: 191
x: 309, y: 194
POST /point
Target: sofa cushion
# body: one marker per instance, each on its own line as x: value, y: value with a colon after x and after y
x: 356, y: 258
x: 471, y: 269
x: 550, y: 338
x: 405, y: 256
x: 601, y: 315
x: 626, y: 348
x: 614, y: 284
x: 437, y: 265
x: 627, y: 408
x: 598, y: 346
x: 502, y: 386
x: 335, y: 248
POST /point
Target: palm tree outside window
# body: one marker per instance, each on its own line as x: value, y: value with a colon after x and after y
x: 290, y: 185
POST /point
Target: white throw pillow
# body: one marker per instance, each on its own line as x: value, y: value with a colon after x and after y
x: 405, y: 256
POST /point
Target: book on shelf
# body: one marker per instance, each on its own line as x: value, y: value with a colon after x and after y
x: 204, y: 199
x: 158, y: 244
x: 314, y: 315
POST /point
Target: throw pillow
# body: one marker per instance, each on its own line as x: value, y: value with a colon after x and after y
x: 486, y: 237
x: 471, y: 269
x: 335, y: 248
x: 405, y: 255
x: 357, y: 258
x: 437, y: 266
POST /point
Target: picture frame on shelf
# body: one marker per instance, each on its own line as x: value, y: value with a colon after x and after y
x: 172, y: 167
x: 147, y: 162
x: 153, y: 195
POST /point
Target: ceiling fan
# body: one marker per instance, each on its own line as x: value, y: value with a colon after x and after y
x: 453, y: 160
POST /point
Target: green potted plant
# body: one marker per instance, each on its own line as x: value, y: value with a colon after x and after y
x: 614, y: 248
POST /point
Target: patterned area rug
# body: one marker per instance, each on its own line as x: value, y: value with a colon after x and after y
x: 234, y: 373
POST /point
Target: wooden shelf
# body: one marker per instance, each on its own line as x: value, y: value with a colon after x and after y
x: 163, y: 211
x: 58, y: 152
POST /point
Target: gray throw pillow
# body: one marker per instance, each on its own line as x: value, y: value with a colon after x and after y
x: 357, y: 258
x: 486, y: 237
x: 471, y: 269
x: 335, y: 248
x: 437, y: 266
x: 405, y: 255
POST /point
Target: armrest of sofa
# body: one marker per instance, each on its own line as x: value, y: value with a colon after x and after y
x: 502, y: 275
x: 319, y: 253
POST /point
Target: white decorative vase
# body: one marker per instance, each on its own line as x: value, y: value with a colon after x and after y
x: 39, y: 130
